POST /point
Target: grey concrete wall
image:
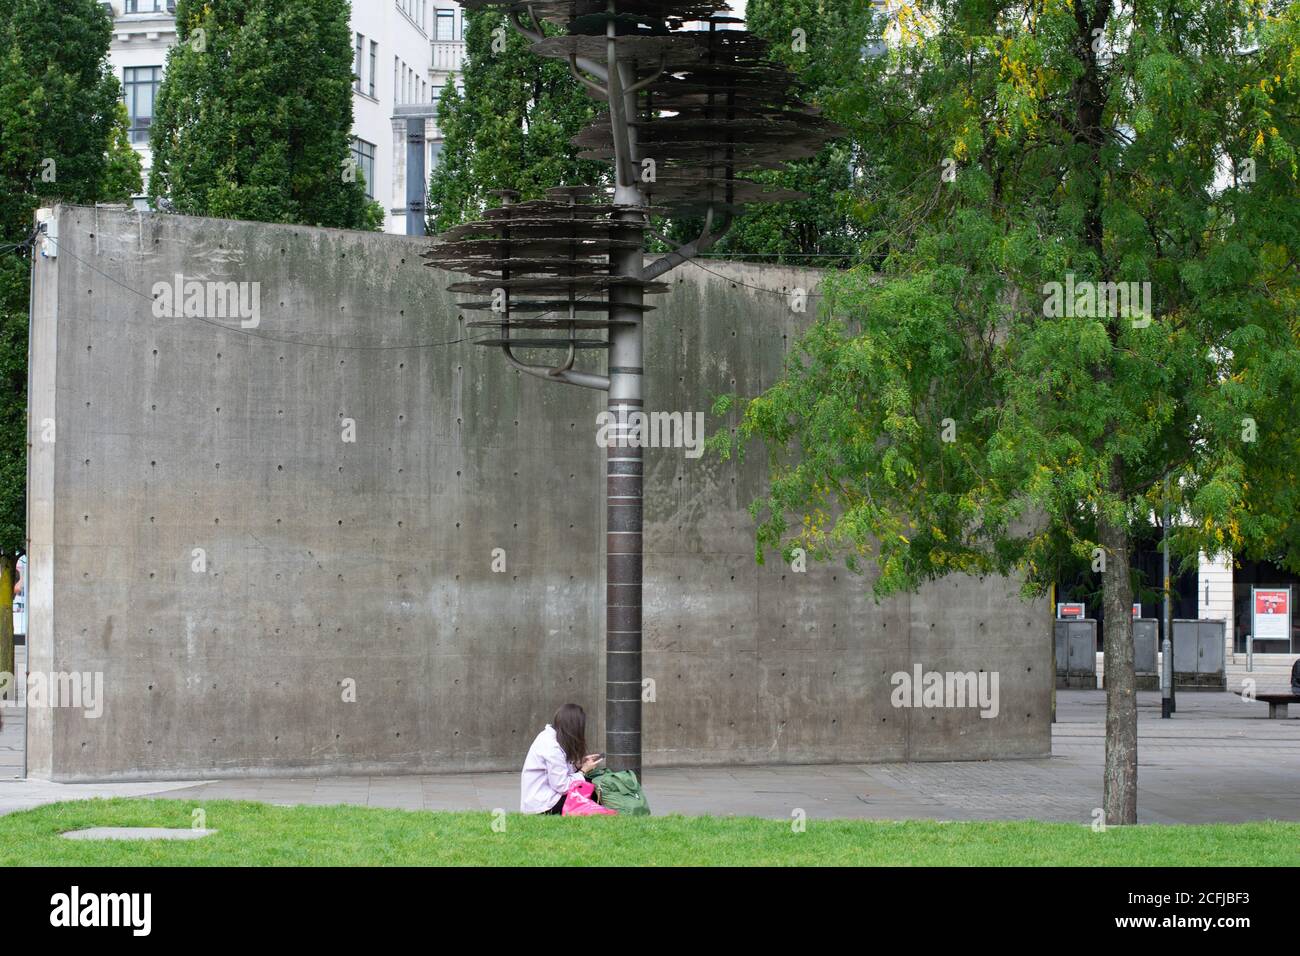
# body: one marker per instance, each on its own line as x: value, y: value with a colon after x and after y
x: 370, y: 561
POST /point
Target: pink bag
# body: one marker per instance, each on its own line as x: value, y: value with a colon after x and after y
x: 578, y: 802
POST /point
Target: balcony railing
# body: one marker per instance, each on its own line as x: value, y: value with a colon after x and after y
x: 448, y: 55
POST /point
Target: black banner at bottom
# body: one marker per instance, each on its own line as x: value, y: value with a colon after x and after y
x: 335, y: 905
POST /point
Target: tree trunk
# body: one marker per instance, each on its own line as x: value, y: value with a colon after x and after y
x: 1119, y: 792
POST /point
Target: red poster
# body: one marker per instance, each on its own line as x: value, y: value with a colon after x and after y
x: 1271, y: 602
x: 1272, y: 617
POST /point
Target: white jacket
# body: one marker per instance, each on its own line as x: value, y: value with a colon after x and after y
x: 547, y: 774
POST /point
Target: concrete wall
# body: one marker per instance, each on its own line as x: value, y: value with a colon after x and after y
x: 371, y: 561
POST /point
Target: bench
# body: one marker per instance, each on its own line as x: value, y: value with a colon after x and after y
x: 1276, y: 702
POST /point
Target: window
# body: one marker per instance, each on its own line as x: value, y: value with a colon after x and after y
x: 356, y: 64
x: 363, y: 154
x: 139, y: 89
x: 374, y: 66
x: 446, y: 25
x: 144, y: 6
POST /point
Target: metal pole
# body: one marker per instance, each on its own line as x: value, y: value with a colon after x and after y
x: 623, y: 510
x: 417, y: 183
x: 27, y: 523
x: 624, y: 465
x: 1051, y: 631
x: 1166, y: 665
x: 1167, y: 645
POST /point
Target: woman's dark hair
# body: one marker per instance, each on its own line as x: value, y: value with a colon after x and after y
x: 570, y: 723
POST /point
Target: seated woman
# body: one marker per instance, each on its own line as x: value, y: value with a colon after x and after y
x: 555, y: 760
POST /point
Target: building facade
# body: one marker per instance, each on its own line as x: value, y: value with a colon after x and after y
x: 404, y: 53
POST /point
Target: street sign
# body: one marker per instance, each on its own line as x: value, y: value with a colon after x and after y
x: 1070, y: 612
x: 1270, y: 618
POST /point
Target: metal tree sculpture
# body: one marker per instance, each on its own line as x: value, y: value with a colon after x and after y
x: 690, y: 102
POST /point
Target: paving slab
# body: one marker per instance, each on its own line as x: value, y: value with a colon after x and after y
x: 137, y: 833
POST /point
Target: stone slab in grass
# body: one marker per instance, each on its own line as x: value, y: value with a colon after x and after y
x: 137, y: 833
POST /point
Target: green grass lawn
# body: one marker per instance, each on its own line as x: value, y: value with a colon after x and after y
x: 257, y: 834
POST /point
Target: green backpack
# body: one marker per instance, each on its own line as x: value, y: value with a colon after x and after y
x: 619, y: 790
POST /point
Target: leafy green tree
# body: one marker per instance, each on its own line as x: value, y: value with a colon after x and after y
x: 509, y: 129
x: 123, y: 171
x: 254, y: 116
x: 62, y: 136
x: 956, y: 409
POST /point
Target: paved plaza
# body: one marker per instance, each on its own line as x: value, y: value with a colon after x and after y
x: 1219, y: 760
